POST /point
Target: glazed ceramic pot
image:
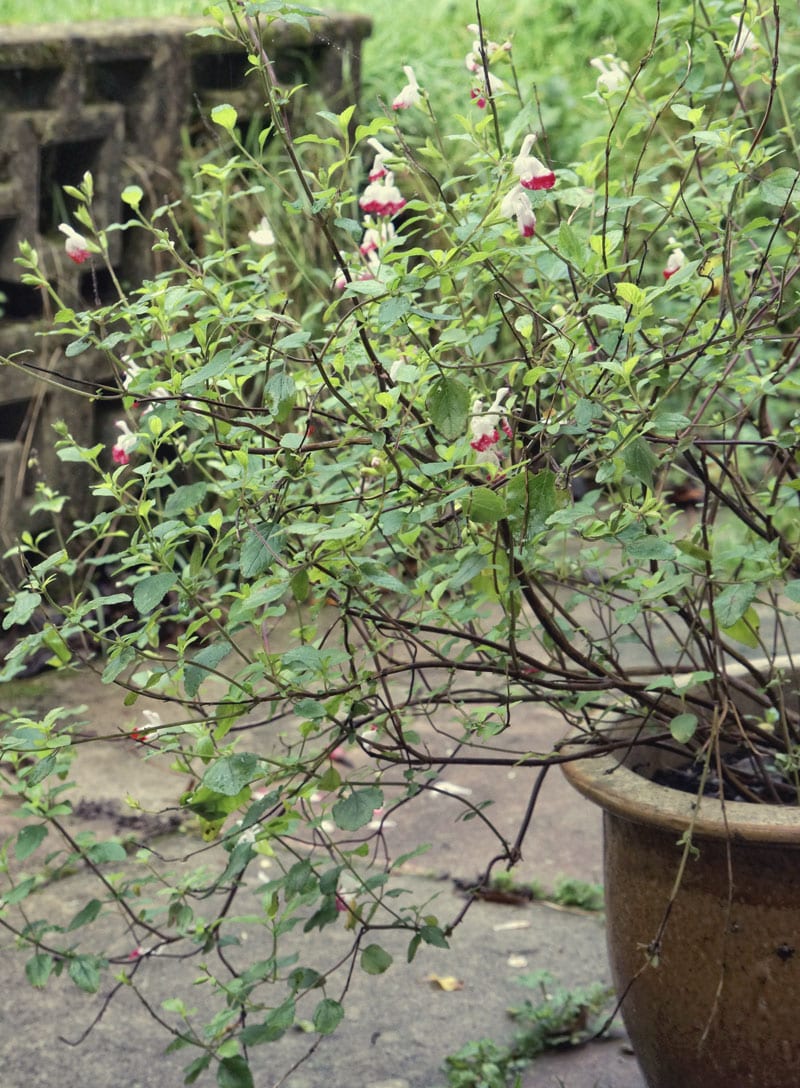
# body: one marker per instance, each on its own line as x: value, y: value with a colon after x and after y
x: 708, y: 965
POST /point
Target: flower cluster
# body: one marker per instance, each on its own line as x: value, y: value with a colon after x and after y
x: 477, y: 61
x: 380, y: 202
x: 127, y: 441
x: 532, y: 175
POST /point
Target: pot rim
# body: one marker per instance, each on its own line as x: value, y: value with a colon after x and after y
x: 617, y: 789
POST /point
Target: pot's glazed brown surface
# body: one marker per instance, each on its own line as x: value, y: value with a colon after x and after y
x: 714, y: 1003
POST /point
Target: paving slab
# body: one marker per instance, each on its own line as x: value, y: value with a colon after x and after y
x: 398, y: 1027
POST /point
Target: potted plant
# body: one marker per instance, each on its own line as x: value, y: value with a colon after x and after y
x: 525, y: 434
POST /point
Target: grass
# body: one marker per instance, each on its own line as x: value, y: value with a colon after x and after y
x: 558, y: 1018
x: 553, y: 66
x: 430, y: 36
x: 70, y: 11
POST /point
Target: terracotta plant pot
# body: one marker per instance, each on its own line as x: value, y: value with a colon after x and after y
x: 714, y: 1002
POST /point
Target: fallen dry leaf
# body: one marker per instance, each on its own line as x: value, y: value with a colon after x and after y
x: 453, y: 788
x: 520, y: 923
x: 447, y: 982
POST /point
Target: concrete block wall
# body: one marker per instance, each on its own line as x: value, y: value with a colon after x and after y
x: 117, y: 99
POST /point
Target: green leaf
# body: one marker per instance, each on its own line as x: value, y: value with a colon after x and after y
x: 732, y: 603
x: 433, y: 935
x: 391, y: 310
x: 650, y: 547
x: 310, y: 708
x: 541, y: 497
x: 668, y: 423
x: 198, y: 668
x: 631, y: 294
x: 327, y: 1016
x: 745, y: 630
x: 20, y: 891
x: 792, y: 590
x: 781, y: 186
x: 276, y: 1024
x: 689, y: 114
x: 605, y: 244
x: 234, y: 1073
x: 300, y: 586
x: 448, y: 407
x: 25, y: 604
x: 38, y: 969
x: 77, y: 347
x: 640, y: 461
x: 132, y: 196
x: 375, y: 960
x: 260, y: 549
x: 301, y: 878
x: 230, y: 774
x: 355, y: 810
x: 484, y: 506
x: 224, y: 116
x: 184, y: 497
x: 85, y: 915
x: 280, y: 391
x: 85, y: 973
x: 571, y: 245
x: 469, y: 567
x: 193, y: 1070
x: 41, y: 770
x: 609, y: 312
x: 683, y: 727
x: 152, y: 590
x: 212, y: 806
x: 330, y: 780
x: 101, y: 853
x: 694, y: 551
x: 29, y: 838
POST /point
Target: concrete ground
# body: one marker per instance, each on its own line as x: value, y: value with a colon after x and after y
x: 398, y: 1027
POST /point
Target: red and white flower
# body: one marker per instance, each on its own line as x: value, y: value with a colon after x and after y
x: 480, y: 95
x: 410, y: 95
x: 675, y: 261
x: 152, y: 722
x: 368, y: 271
x: 125, y: 444
x: 376, y: 235
x: 382, y: 156
x: 76, y: 246
x: 486, y: 426
x: 382, y: 197
x: 532, y: 172
x: 517, y: 204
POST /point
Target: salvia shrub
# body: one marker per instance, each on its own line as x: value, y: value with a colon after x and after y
x: 420, y: 428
